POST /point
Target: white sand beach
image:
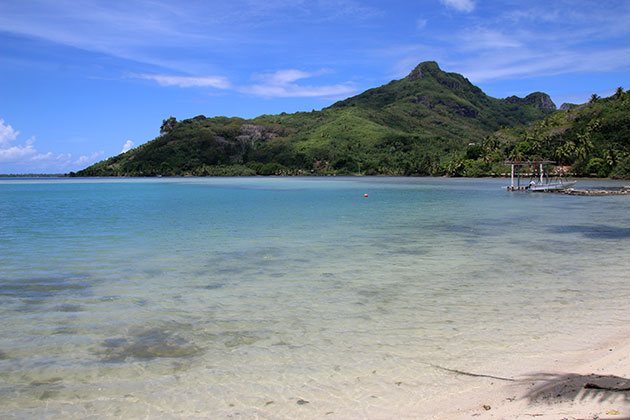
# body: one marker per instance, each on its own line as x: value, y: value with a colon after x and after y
x: 589, y: 384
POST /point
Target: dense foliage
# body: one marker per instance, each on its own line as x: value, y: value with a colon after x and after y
x: 586, y: 140
x: 429, y: 123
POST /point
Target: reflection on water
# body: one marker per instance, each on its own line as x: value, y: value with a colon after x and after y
x: 243, y: 297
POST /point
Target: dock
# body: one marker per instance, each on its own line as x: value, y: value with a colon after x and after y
x: 516, y: 169
x: 539, y: 181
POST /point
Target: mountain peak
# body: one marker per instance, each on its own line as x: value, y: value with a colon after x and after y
x: 424, y: 68
x: 539, y: 100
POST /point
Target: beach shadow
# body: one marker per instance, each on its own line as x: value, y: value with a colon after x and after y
x: 552, y: 388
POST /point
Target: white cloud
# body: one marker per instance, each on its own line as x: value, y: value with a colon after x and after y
x: 64, y: 160
x: 127, y: 146
x: 13, y: 153
x: 16, y: 153
x: 7, y: 133
x: 283, y: 77
x: 280, y: 84
x: 47, y: 158
x: 26, y: 156
x: 294, y: 91
x: 217, y: 82
x: 88, y: 159
x: 465, y: 6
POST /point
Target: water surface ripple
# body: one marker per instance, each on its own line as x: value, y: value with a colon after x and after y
x: 290, y: 297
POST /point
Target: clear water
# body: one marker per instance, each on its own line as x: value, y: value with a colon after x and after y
x: 290, y: 297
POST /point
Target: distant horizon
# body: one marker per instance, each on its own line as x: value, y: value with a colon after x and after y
x: 84, y: 82
x: 39, y: 175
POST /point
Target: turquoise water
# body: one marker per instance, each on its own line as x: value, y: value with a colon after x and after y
x: 290, y: 297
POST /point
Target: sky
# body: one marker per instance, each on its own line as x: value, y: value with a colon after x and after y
x: 83, y: 80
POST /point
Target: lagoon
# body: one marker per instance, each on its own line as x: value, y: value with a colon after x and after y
x: 292, y: 297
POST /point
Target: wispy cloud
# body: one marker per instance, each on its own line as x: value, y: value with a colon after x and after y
x: 281, y: 84
x: 526, y: 64
x: 481, y: 38
x: 295, y: 91
x: 88, y: 159
x: 404, y: 57
x: 489, y: 54
x: 180, y: 37
x: 348, y: 8
x: 276, y: 11
x: 525, y: 40
x: 132, y: 30
x: 217, y: 82
x: 464, y: 6
x: 283, y: 77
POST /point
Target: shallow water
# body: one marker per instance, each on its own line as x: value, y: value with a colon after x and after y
x: 290, y: 297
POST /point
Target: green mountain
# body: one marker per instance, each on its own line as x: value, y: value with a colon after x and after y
x: 422, y: 124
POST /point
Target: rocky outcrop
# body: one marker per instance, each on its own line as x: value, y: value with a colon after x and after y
x: 539, y: 100
x: 422, y: 69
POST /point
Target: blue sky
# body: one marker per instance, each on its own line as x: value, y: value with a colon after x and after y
x: 81, y: 80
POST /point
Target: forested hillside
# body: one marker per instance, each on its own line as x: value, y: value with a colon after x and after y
x: 428, y: 123
x: 592, y: 139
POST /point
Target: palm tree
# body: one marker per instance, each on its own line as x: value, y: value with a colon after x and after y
x: 490, y: 146
x: 520, y: 151
x: 610, y: 156
x: 584, y: 145
x: 594, y: 98
x: 566, y: 152
x: 618, y: 92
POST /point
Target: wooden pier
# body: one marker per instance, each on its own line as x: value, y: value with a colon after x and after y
x: 515, y: 173
x: 540, y: 181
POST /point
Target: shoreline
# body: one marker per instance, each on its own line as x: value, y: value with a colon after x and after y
x: 592, y: 383
x: 304, y: 175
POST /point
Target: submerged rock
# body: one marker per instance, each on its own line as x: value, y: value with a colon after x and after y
x: 149, y: 344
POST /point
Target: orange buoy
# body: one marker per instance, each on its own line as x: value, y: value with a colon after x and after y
x: 365, y: 195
